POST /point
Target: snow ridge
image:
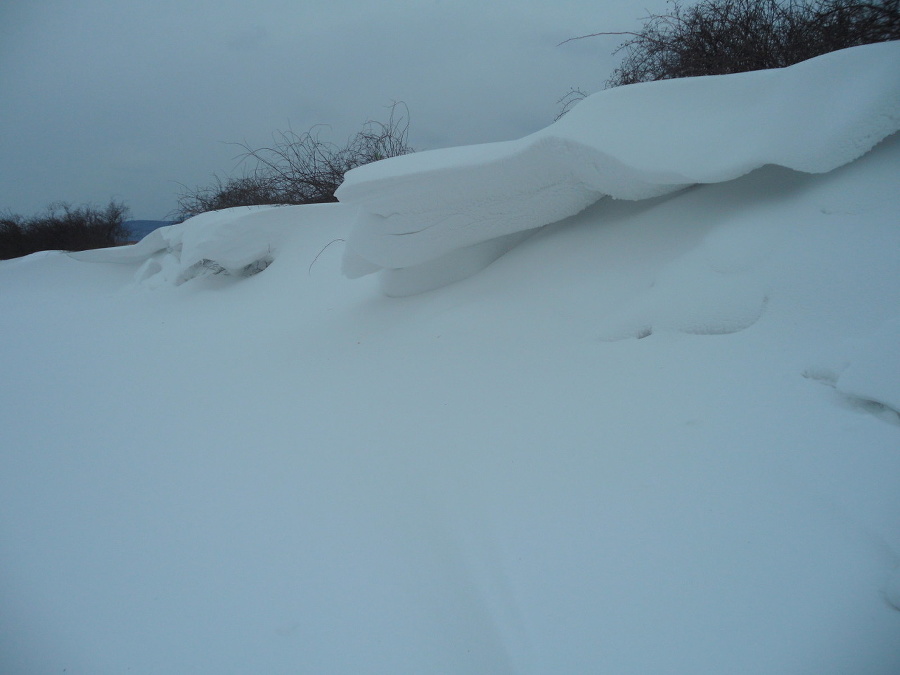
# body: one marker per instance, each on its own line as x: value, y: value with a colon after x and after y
x: 238, y: 242
x: 434, y: 217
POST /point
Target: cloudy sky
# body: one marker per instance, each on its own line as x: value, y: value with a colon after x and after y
x: 104, y: 99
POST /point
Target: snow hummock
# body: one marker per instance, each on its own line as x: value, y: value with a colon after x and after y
x: 240, y: 241
x: 656, y: 436
x: 633, y: 142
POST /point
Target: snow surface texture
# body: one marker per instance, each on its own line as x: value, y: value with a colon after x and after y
x: 240, y: 241
x: 892, y: 589
x: 658, y: 436
x: 424, y: 217
x: 866, y: 370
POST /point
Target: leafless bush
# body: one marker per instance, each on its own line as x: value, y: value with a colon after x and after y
x: 63, y: 227
x: 225, y: 193
x: 716, y: 37
x: 301, y: 168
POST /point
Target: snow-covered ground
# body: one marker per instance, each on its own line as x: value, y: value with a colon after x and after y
x: 656, y: 436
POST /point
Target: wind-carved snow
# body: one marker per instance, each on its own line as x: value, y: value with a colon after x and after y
x: 528, y: 498
x: 873, y: 372
x: 237, y: 242
x: 431, y: 218
x: 714, y: 305
x: 867, y: 372
x: 717, y: 288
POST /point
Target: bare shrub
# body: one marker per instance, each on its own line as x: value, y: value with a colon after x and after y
x: 63, y: 227
x: 225, y: 193
x: 300, y: 168
x: 717, y: 37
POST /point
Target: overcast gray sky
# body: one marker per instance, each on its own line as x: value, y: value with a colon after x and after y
x: 124, y: 99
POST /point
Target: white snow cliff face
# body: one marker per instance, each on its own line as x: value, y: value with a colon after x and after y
x: 433, y: 217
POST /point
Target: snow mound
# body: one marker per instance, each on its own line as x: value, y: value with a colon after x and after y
x: 713, y: 306
x: 239, y: 242
x: 434, y: 211
x: 246, y: 476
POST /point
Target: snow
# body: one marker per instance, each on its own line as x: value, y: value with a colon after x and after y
x: 873, y: 371
x: 240, y: 241
x: 892, y: 590
x: 656, y: 436
x: 628, y: 143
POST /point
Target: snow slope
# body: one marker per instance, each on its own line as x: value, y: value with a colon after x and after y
x: 658, y: 436
x: 628, y: 143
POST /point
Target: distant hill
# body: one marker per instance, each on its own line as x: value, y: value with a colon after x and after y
x: 138, y: 229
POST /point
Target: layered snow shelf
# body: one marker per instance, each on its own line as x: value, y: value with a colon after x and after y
x: 431, y: 218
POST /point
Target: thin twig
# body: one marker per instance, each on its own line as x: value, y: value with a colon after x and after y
x: 309, y: 271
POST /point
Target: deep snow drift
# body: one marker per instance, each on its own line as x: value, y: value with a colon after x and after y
x: 659, y: 436
x: 628, y: 143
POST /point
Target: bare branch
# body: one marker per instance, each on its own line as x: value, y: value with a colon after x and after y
x: 301, y: 168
